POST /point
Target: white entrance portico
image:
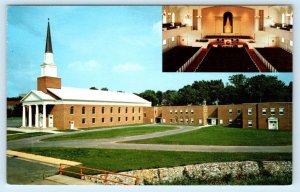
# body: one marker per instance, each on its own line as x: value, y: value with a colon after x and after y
x: 36, y: 99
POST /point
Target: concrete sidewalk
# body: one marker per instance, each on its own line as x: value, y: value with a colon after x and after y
x: 65, y: 180
x: 40, y: 158
x: 33, y: 130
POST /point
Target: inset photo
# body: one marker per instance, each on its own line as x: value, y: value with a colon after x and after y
x: 225, y: 38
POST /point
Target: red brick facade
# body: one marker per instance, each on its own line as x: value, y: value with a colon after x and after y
x: 48, y: 82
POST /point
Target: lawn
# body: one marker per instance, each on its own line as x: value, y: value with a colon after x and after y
x: 123, y: 160
x: 13, y: 132
x: 25, y: 135
x: 122, y: 132
x: 219, y: 135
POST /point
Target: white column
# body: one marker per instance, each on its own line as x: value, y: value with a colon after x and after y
x: 23, y: 116
x: 44, y: 116
x: 36, y: 116
x: 30, y: 117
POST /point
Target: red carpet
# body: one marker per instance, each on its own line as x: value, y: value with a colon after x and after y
x: 258, y: 62
x: 192, y: 67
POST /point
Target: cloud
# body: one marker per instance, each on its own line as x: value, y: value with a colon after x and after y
x: 157, y: 27
x: 90, y: 65
x: 127, y: 67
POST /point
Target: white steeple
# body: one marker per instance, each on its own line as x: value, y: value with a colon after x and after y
x: 48, y: 68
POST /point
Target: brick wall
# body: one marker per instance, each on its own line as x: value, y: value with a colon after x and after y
x: 230, y: 115
x: 48, y: 82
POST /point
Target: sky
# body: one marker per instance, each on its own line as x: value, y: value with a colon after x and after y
x: 118, y: 47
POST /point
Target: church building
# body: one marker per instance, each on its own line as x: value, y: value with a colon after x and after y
x: 52, y: 105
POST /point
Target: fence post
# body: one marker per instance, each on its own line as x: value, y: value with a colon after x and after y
x: 106, y: 176
x: 81, y: 173
x: 136, y: 181
x: 60, y: 169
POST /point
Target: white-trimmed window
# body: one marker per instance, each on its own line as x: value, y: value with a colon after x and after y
x: 171, y: 120
x: 164, y: 42
x: 170, y: 111
x: 192, y: 111
x: 192, y: 120
x: 180, y: 111
x: 264, y: 111
x: 164, y: 120
x: 111, y: 110
x: 282, y: 40
x: 103, y: 110
x: 291, y: 43
x: 126, y: 110
x: 230, y: 121
x: 175, y: 111
x: 181, y: 120
x: 93, y: 110
x: 93, y: 120
x: 83, y: 120
x: 250, y: 123
x: 119, y: 119
x: 119, y: 110
x: 111, y: 119
x: 132, y: 118
x: 230, y: 111
x: 281, y: 111
x: 249, y: 111
x: 83, y: 110
x: 173, y: 38
x: 186, y: 111
x: 132, y: 109
x: 187, y: 120
x: 272, y: 110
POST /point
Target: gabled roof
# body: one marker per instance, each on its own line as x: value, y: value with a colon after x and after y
x: 34, y: 95
x: 78, y: 94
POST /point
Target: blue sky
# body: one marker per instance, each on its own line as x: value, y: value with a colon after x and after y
x: 118, y: 47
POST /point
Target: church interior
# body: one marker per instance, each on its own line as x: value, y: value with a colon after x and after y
x: 227, y: 38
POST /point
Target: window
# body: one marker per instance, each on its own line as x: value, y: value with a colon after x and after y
x: 83, y: 110
x: 281, y: 111
x: 171, y: 120
x: 170, y: 111
x: 126, y: 110
x: 272, y: 110
x: 132, y: 109
x: 230, y: 111
x: 181, y: 119
x: 282, y: 40
x: 164, y: 17
x: 72, y: 110
x: 111, y: 109
x: 249, y: 111
x: 192, y: 111
x: 83, y: 120
x: 119, y: 110
x: 238, y: 111
x: 230, y: 121
x: 93, y: 110
x: 111, y: 119
x: 119, y: 119
x: 103, y: 110
x: 192, y: 120
x: 93, y: 120
x: 186, y: 111
x: 200, y: 121
x: 173, y: 17
x: 126, y: 118
x: 291, y: 43
x: 103, y: 120
x: 264, y: 111
x: 139, y: 118
x: 249, y: 123
x: 145, y: 114
x: 173, y: 38
x: 132, y: 118
x: 180, y: 111
x: 175, y: 111
x: 139, y: 110
x: 164, y: 42
x: 187, y: 120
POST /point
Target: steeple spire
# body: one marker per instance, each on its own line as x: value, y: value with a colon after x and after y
x: 48, y: 48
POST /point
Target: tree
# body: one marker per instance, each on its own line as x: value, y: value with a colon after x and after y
x: 170, y: 97
x: 150, y: 95
x: 104, y: 89
x: 93, y: 88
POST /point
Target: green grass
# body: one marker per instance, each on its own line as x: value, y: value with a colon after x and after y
x: 129, y: 125
x: 14, y: 118
x: 25, y: 135
x: 13, y: 132
x: 123, y: 160
x: 219, y: 135
x: 130, y: 131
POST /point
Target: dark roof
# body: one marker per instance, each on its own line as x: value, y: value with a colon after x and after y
x: 48, y: 48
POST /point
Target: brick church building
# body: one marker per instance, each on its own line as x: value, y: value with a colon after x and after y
x: 54, y: 106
